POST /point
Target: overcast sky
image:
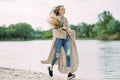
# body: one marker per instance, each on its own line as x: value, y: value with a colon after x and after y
x: 35, y: 12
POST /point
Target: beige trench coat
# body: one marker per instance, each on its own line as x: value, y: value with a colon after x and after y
x: 61, y: 62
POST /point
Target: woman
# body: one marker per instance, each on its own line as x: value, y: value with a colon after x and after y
x: 61, y: 44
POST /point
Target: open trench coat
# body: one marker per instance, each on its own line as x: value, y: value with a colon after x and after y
x: 61, y: 62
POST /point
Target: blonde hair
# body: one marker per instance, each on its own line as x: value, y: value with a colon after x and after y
x: 53, y: 19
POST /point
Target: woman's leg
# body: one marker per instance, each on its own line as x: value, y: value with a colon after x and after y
x: 58, y: 45
x: 66, y: 47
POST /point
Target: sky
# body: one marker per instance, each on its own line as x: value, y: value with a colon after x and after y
x: 36, y: 12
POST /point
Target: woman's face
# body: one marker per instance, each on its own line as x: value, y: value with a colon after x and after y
x: 62, y: 11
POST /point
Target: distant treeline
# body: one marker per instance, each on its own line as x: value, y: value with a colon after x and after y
x: 23, y: 31
x: 107, y: 28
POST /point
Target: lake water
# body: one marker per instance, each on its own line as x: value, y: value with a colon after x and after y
x: 99, y: 60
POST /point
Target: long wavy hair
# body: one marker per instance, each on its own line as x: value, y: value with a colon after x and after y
x: 53, y: 20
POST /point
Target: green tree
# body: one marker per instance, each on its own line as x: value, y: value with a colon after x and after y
x: 84, y: 29
x: 113, y: 26
x: 12, y: 30
x: 3, y: 30
x: 47, y: 34
x: 73, y: 27
x: 92, y: 32
x: 104, y: 18
x: 23, y: 30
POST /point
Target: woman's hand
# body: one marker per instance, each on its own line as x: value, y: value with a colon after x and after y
x: 64, y: 28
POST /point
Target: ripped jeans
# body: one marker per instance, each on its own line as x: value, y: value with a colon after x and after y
x: 59, y: 43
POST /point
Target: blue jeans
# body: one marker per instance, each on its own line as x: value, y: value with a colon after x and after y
x: 59, y: 43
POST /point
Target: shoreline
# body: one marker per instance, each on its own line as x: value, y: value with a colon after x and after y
x: 18, y: 74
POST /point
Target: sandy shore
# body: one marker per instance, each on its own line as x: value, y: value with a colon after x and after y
x: 17, y: 74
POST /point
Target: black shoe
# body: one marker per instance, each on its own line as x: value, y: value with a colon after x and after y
x: 70, y: 76
x: 50, y: 72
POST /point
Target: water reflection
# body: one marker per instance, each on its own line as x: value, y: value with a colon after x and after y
x: 109, y: 58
